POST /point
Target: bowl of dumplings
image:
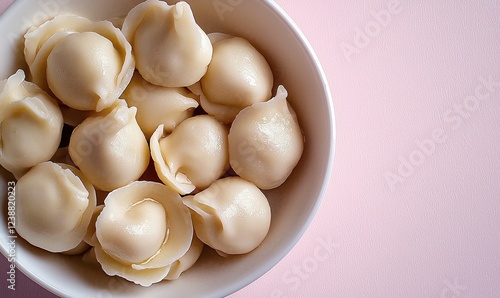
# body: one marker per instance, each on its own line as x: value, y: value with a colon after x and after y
x: 157, y: 149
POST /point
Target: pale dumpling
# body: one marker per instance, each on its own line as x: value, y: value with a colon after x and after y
x: 159, y: 105
x: 193, y: 156
x: 142, y: 230
x: 86, y: 65
x: 170, y: 48
x: 238, y: 76
x: 266, y: 142
x: 232, y: 216
x: 54, y: 205
x: 110, y: 148
x: 40, y: 40
x: 30, y: 124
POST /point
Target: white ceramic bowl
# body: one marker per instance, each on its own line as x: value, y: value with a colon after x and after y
x: 293, y: 204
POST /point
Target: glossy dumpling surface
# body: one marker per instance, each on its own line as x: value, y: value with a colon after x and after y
x: 159, y: 105
x: 170, y: 48
x: 54, y: 205
x: 142, y: 230
x: 193, y: 156
x: 30, y: 124
x: 86, y: 65
x: 232, y: 215
x: 265, y: 142
x: 40, y: 40
x: 110, y: 148
x: 238, y: 76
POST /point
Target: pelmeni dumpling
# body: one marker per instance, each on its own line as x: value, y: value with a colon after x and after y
x: 87, y: 65
x: 238, y: 76
x: 232, y: 216
x: 193, y: 156
x: 110, y: 148
x: 265, y: 142
x: 40, y: 40
x: 142, y: 230
x: 54, y: 205
x: 170, y: 48
x: 30, y: 125
x: 159, y: 105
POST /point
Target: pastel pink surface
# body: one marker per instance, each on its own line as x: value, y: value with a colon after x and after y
x: 413, y: 208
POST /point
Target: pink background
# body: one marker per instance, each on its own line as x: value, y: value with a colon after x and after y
x: 413, y: 208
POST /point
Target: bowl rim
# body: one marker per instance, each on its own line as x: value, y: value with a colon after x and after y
x: 242, y: 282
